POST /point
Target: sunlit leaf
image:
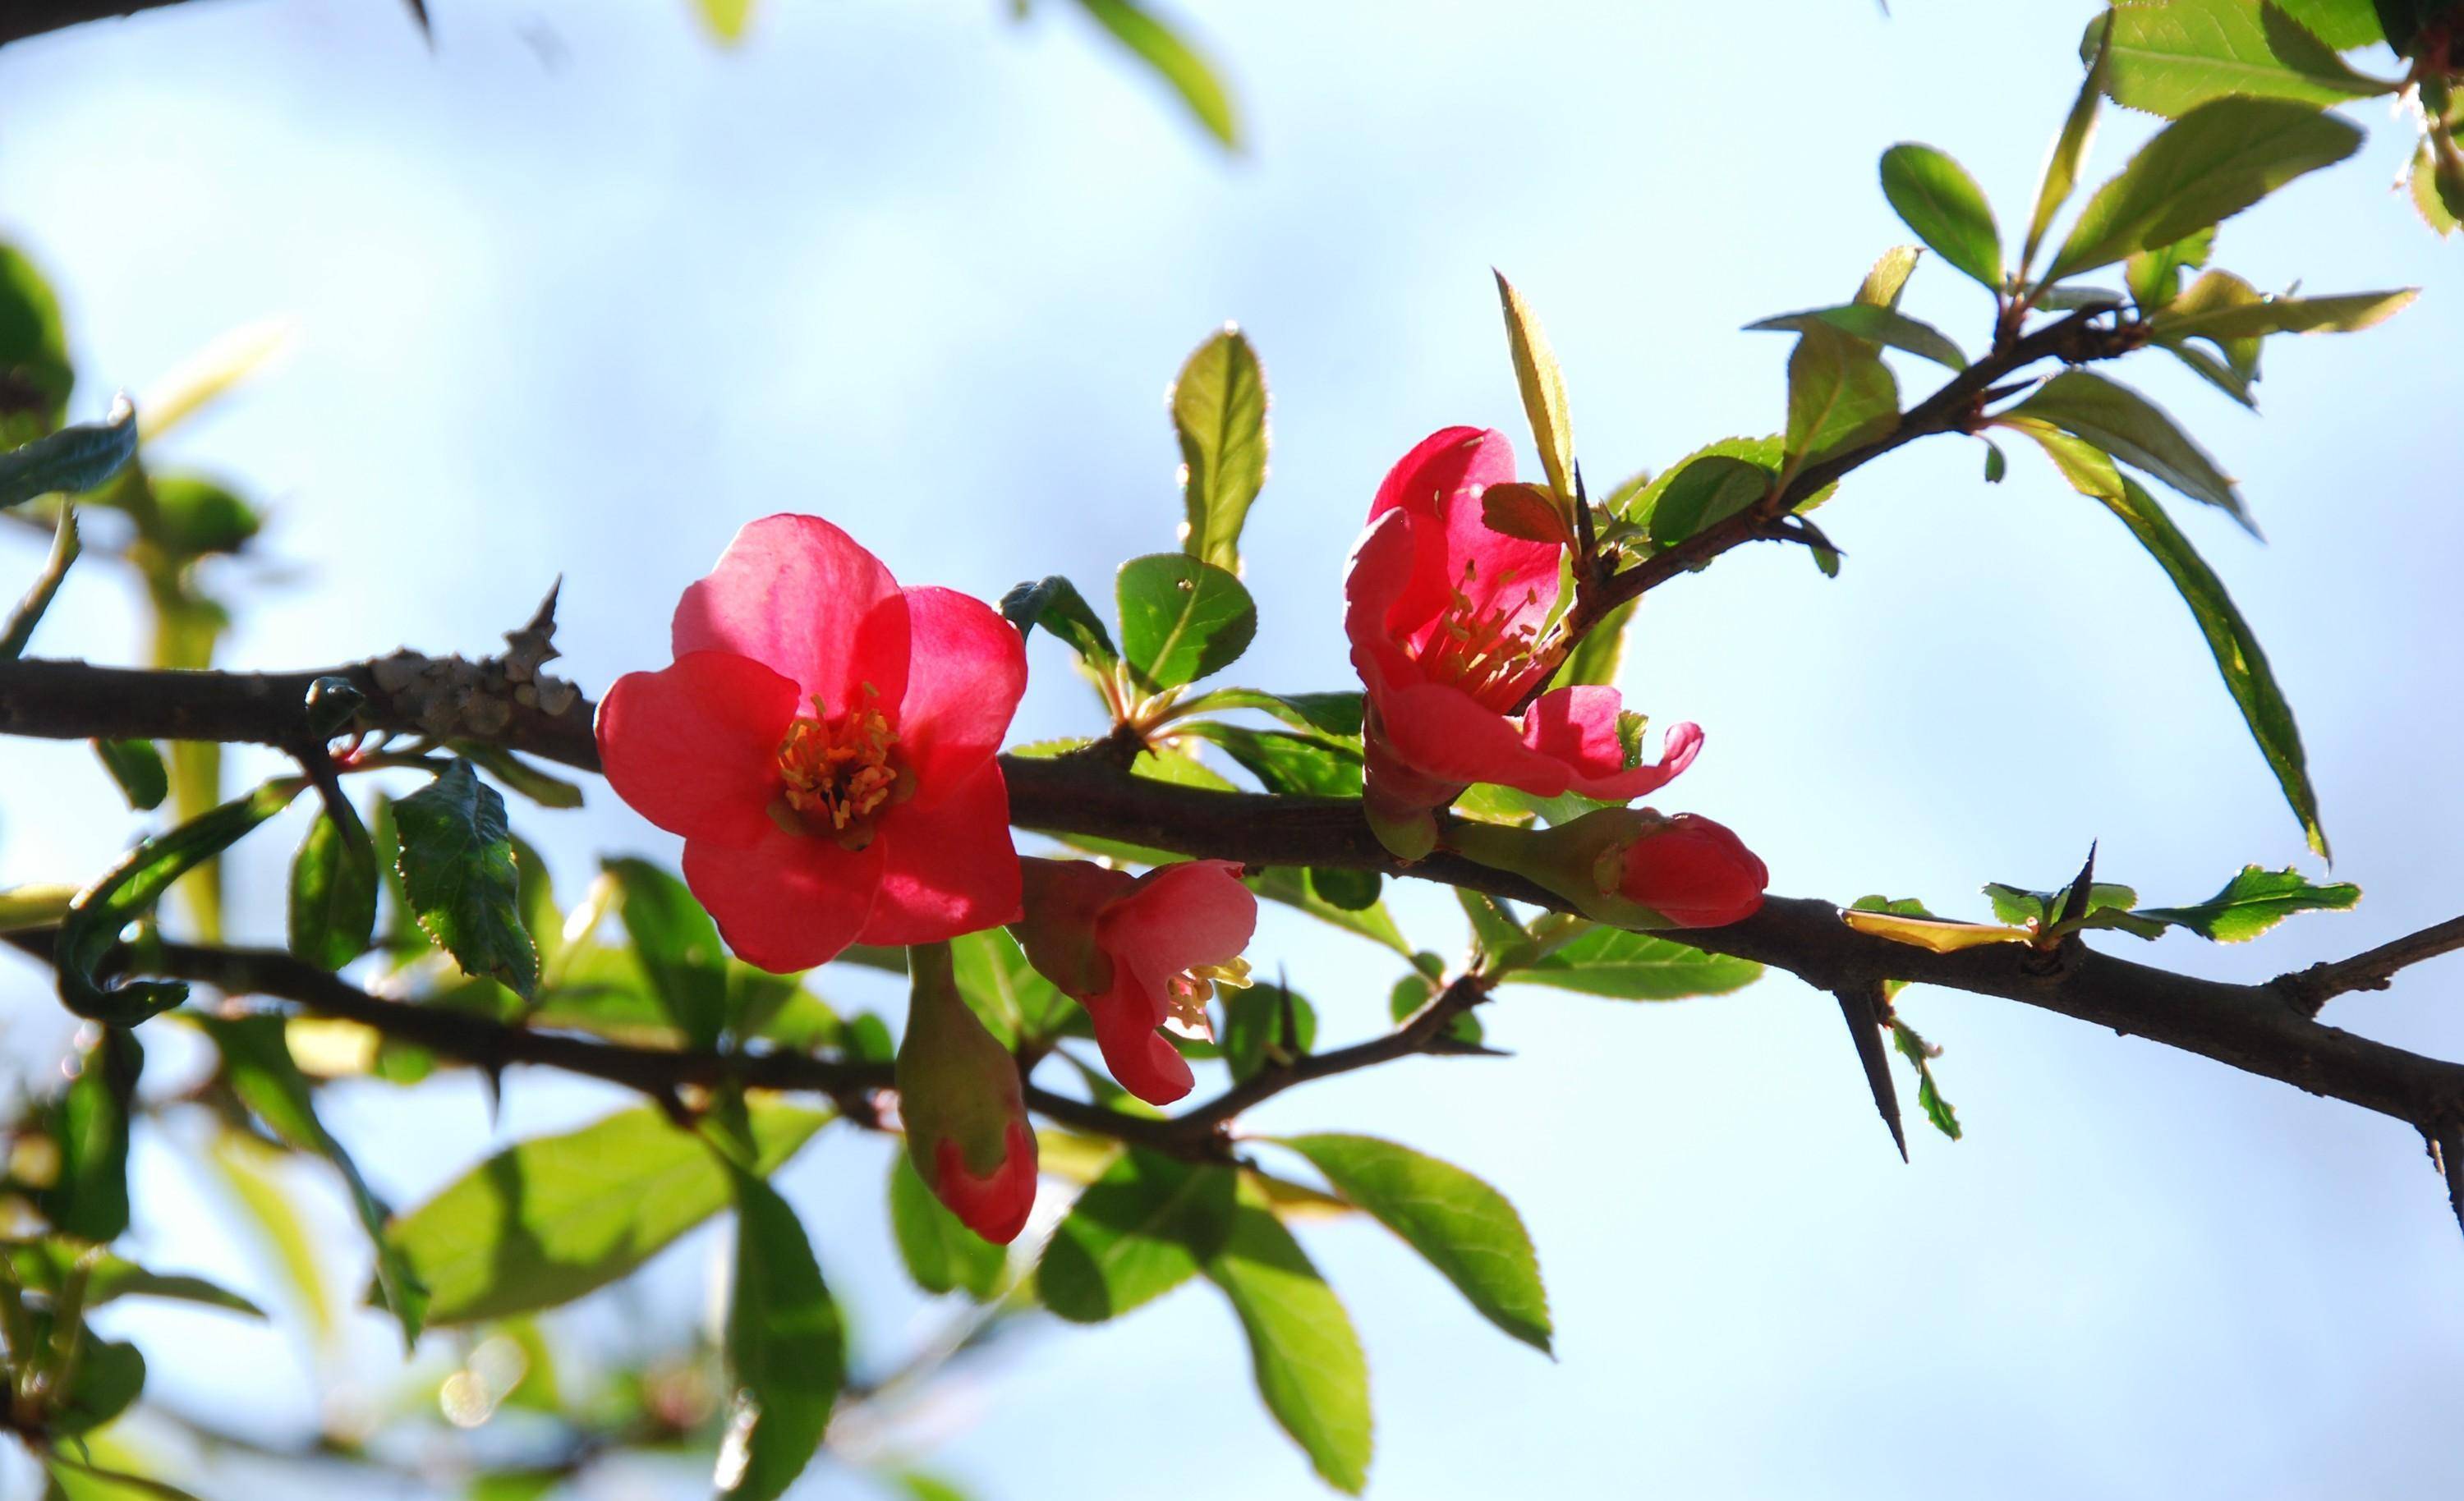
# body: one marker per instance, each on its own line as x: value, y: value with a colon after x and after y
x: 1935, y: 197
x: 941, y: 1252
x: 1840, y: 396
x: 1544, y: 390
x: 2254, y: 902
x: 1303, y: 1352
x: 1876, y: 325
x: 1182, y: 620
x: 2171, y: 56
x: 786, y: 1349
x: 2135, y: 430
x: 1174, y: 60
x: 333, y: 892
x: 1137, y: 1232
x: 1637, y: 967
x: 1219, y: 410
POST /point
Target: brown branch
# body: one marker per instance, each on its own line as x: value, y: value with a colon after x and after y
x: 2257, y: 1029
x: 20, y: 19
x: 2312, y: 988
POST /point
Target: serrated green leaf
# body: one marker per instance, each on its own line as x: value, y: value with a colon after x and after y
x: 1934, y: 196
x: 786, y: 1348
x: 2342, y: 24
x: 1302, y: 1349
x: 547, y: 1220
x: 1182, y: 620
x: 941, y: 1252
x: 333, y: 892
x: 1888, y: 277
x: 1875, y: 325
x: 1175, y: 61
x: 137, y: 767
x: 2154, y: 276
x: 1219, y: 411
x: 2430, y: 195
x: 1840, y: 396
x: 1637, y: 967
x: 2215, y: 162
x: 74, y: 459
x: 1459, y: 1225
x: 1137, y: 1232
x: 2338, y: 315
x: 456, y: 859
x: 2171, y: 56
x: 2254, y: 902
x: 2135, y: 430
x: 256, y: 1060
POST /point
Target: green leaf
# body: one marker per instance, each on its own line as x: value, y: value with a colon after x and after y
x: 676, y: 944
x: 519, y: 776
x: 2342, y: 24
x: 2215, y: 372
x: 1182, y: 620
x: 1295, y: 765
x: 1840, y: 396
x: 1459, y: 1225
x: 1498, y: 936
x: 129, y: 889
x: 786, y: 1349
x: 1597, y: 657
x: 2207, y: 166
x: 2254, y: 902
x: 2429, y: 197
x: 1266, y: 1023
x: 2133, y: 429
x: 1307, y: 1360
x: 1875, y: 325
x: 547, y: 1220
x: 1935, y: 197
x: 2154, y: 276
x: 333, y: 892
x: 109, y: 1376
x: 1637, y: 967
x: 1351, y: 890
x: 1703, y: 492
x: 2171, y: 57
x: 942, y: 1254
x: 45, y: 1266
x: 2338, y: 315
x: 35, y: 375
x: 1336, y: 714
x: 1006, y: 993
x: 1218, y: 409
x: 1286, y: 884
x: 1639, y: 510
x: 137, y: 767
x: 726, y: 20
x: 1996, y: 464
x: 1175, y: 61
x: 1921, y: 1054
x: 1889, y: 278
x: 2069, y: 148
x: 1544, y: 389
x: 195, y: 517
x: 256, y: 1060
x: 457, y: 875
x: 1055, y: 603
x: 1137, y: 1232
x: 74, y: 459
x: 88, y: 1199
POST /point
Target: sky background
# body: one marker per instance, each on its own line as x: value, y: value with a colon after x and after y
x: 577, y: 293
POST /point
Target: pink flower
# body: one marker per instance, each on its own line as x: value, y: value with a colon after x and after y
x: 1445, y: 617
x: 1138, y: 952
x: 825, y: 743
x: 1693, y: 872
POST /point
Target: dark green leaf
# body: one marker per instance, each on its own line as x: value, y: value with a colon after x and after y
x: 1703, y: 493
x: 1840, y: 396
x: 942, y: 1254
x: 256, y: 1060
x: 130, y: 890
x: 678, y: 947
x: 1055, y: 603
x: 1282, y: 762
x: 74, y: 459
x: 1302, y: 1349
x: 333, y: 892
x: 1336, y: 714
x: 2172, y: 56
x: 1266, y: 1023
x: 547, y: 1220
x: 137, y: 767
x: 1876, y: 325
x: 34, y: 371
x: 457, y: 874
x: 1350, y: 890
x: 786, y: 1349
x: 1462, y: 1225
x: 1935, y: 197
x: 542, y: 787
x: 194, y: 517
x: 1180, y: 619
x: 2430, y: 193
x: 1219, y: 410
x: 110, y: 1374
x: 1638, y: 967
x: 1137, y: 1232
x: 45, y: 1266
x: 1996, y: 464
x: 1175, y: 61
x: 88, y: 1200
x: 2135, y: 430
x: 2254, y: 902
x: 2212, y: 164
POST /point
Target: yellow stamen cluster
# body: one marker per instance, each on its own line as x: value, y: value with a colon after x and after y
x: 837, y: 771
x: 1186, y: 995
x: 1477, y: 653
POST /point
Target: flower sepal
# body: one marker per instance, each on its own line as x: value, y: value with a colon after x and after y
x: 1629, y: 867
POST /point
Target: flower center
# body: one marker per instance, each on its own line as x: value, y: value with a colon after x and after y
x: 1480, y: 652
x: 1185, y: 995
x: 836, y: 774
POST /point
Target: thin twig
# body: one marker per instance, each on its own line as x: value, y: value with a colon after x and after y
x: 2312, y: 988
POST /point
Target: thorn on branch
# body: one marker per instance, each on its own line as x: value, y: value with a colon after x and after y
x: 1863, y: 1006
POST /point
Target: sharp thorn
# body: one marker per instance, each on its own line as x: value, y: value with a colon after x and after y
x: 1862, y: 1011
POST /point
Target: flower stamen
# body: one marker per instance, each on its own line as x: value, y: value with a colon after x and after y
x: 838, y: 772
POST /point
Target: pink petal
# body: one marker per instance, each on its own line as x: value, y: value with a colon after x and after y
x: 1374, y: 586
x: 1140, y: 1058
x: 801, y: 596
x: 693, y: 747
x: 786, y: 902
x: 1439, y: 464
x: 948, y: 868
x: 1578, y: 727
x: 964, y: 676
x: 1442, y: 734
x: 1177, y: 918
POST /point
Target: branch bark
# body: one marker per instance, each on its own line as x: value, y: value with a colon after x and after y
x: 20, y: 19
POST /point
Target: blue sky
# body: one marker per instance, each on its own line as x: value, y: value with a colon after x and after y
x: 577, y: 293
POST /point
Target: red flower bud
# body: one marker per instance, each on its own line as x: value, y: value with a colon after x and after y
x: 1692, y: 871
x: 961, y: 1100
